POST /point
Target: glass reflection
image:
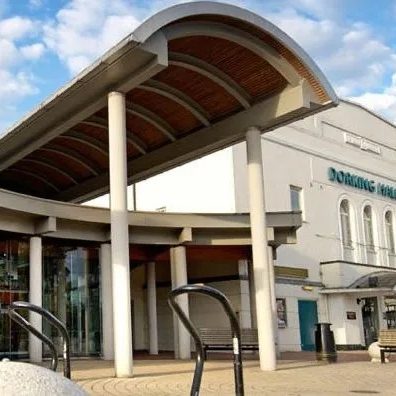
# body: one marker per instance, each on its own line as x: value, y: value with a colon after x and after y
x: 71, y: 292
x: 14, y: 286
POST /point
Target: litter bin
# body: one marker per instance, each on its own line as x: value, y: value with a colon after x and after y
x: 325, y: 345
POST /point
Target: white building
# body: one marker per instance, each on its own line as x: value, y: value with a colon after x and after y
x: 338, y: 167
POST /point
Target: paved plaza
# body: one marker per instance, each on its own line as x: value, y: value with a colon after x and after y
x: 297, y: 374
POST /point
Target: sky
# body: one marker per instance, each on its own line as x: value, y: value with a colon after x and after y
x: 44, y: 43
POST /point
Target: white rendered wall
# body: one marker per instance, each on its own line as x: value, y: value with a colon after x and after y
x: 300, y: 155
x: 204, y: 186
x: 346, y: 331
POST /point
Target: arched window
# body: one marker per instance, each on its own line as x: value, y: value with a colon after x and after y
x: 368, y: 228
x: 390, y: 240
x: 345, y: 220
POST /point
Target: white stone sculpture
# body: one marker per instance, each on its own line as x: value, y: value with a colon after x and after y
x: 375, y: 353
x: 25, y: 379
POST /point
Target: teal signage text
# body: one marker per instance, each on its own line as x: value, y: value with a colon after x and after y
x: 362, y: 183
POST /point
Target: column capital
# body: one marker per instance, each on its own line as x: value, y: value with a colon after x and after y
x: 115, y: 93
x: 253, y: 130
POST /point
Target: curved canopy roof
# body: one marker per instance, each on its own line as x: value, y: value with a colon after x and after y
x: 196, y: 76
x: 379, y: 279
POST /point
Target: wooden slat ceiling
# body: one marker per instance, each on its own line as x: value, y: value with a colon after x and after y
x: 207, y: 80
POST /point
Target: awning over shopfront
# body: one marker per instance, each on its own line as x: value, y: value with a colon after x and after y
x: 374, y: 283
x: 195, y: 76
x: 378, y: 279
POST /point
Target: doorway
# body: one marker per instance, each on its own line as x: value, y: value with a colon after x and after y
x: 308, y: 317
x: 71, y: 291
x: 370, y: 319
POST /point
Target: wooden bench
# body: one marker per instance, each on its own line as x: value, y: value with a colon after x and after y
x: 387, y: 342
x: 216, y: 339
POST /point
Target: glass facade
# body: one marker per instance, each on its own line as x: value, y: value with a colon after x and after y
x: 71, y: 291
x: 14, y: 286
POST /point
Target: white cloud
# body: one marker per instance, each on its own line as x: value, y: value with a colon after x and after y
x: 381, y: 102
x: 16, y: 85
x: 16, y: 47
x: 16, y: 27
x: 337, y: 48
x: 332, y: 9
x: 85, y: 29
x: 33, y: 51
x: 36, y: 3
x: 9, y: 54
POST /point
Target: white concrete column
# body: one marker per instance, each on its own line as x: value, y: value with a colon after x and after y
x: 123, y: 361
x: 107, y: 301
x: 180, y: 279
x: 245, y: 317
x: 35, y: 296
x: 261, y: 267
x: 152, y: 308
x: 175, y: 320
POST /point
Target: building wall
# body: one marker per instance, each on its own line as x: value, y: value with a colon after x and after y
x: 346, y: 138
x: 300, y: 155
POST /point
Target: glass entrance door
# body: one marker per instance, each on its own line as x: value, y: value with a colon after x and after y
x: 71, y: 292
x: 14, y: 286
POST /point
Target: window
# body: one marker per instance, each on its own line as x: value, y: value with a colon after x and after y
x: 390, y: 240
x: 368, y: 227
x: 295, y: 198
x: 345, y: 220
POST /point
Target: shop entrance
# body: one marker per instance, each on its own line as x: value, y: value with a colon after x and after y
x: 370, y: 319
x: 14, y: 286
x: 308, y: 317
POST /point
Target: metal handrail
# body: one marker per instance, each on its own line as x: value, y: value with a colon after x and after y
x: 52, y: 320
x: 235, y: 329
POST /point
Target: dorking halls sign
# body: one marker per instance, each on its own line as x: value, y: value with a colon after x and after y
x: 361, y: 183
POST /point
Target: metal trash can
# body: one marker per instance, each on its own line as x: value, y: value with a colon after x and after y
x: 325, y: 345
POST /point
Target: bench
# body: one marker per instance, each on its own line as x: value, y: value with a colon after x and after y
x: 387, y: 342
x: 215, y: 339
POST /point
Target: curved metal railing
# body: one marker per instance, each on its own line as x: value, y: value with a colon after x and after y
x: 200, y: 358
x: 16, y: 317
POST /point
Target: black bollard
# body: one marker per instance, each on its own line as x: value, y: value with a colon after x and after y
x: 325, y: 345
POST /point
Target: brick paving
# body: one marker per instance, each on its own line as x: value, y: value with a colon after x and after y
x: 297, y: 374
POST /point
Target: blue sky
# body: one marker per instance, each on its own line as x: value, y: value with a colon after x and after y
x: 44, y: 43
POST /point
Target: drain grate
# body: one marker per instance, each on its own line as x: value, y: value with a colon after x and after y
x: 364, y: 392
